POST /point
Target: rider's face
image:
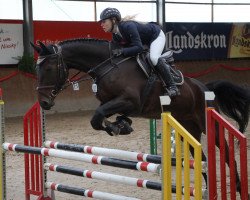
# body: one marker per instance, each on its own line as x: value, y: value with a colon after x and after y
x: 106, y: 24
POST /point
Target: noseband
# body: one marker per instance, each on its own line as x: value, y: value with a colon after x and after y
x: 62, y: 73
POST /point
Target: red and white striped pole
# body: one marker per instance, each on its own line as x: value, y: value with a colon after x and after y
x: 141, y: 166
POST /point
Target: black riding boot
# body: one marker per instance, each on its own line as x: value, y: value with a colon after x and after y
x: 164, y: 70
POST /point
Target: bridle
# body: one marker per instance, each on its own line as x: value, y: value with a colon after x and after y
x: 62, y: 73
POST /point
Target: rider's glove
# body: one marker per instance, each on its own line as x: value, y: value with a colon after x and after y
x: 117, y: 52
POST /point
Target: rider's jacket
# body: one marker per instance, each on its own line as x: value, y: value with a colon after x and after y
x: 134, y: 35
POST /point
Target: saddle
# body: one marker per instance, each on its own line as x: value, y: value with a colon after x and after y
x: 147, y: 67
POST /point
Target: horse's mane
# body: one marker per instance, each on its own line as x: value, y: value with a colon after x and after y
x: 84, y: 40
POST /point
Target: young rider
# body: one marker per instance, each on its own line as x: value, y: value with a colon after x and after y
x: 132, y: 35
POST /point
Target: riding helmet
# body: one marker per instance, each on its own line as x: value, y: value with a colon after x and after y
x: 109, y: 13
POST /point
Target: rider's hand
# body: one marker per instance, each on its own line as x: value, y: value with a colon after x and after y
x: 117, y: 52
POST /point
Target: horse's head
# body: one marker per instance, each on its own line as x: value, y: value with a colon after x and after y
x: 52, y: 73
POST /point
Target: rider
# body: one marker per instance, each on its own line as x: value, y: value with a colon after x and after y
x: 132, y: 35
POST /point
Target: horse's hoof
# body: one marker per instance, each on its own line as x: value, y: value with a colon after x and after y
x: 115, y: 129
x: 126, y: 129
x: 110, y: 131
x: 123, y: 117
x: 119, y: 127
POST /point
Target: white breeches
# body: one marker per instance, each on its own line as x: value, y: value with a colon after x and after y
x: 157, y: 47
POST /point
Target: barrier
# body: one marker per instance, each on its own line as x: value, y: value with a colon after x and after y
x: 225, y: 128
x: 123, y: 155
x: 169, y: 122
x: 37, y: 168
x: 87, y: 173
x: 36, y: 177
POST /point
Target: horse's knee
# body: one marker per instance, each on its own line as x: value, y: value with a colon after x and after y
x: 96, y: 121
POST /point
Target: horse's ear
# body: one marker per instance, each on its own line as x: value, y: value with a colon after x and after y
x: 42, y: 45
x: 36, y: 47
x: 44, y: 48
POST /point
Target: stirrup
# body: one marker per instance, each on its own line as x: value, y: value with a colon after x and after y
x: 172, y: 91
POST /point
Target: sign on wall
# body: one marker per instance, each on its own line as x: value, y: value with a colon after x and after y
x: 53, y: 31
x: 11, y: 43
x: 239, y: 45
x: 196, y: 41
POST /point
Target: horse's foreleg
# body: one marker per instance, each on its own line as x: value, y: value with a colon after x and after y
x: 97, y: 120
x: 110, y: 108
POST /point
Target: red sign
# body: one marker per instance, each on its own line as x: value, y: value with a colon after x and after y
x: 55, y: 31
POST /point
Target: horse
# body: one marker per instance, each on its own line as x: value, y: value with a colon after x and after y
x: 121, y: 87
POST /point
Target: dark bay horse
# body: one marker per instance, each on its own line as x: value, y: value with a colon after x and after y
x: 121, y: 88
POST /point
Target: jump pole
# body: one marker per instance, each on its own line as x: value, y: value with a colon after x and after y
x: 86, y: 173
x: 85, y: 192
x: 140, y: 166
x: 109, y: 177
x: 116, y: 153
x: 103, y: 176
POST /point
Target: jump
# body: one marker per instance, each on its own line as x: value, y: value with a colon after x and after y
x: 121, y: 85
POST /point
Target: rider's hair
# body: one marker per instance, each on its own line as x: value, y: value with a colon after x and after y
x: 129, y: 18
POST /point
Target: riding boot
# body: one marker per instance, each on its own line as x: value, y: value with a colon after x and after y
x: 164, y: 70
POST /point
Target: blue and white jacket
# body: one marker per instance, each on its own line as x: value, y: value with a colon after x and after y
x: 135, y: 35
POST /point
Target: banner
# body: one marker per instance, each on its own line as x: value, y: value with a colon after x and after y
x: 53, y: 31
x: 11, y: 43
x: 197, y: 41
x: 240, y: 41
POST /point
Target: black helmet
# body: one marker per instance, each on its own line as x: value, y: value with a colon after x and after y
x: 109, y: 13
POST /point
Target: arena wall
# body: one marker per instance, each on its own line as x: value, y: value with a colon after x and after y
x: 19, y: 91
x: 235, y: 70
x: 19, y: 94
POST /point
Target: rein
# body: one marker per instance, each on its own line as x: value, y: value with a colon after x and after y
x: 93, y: 70
x: 71, y: 82
x: 62, y: 72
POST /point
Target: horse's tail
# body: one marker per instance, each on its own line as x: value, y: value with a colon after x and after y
x: 233, y: 101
